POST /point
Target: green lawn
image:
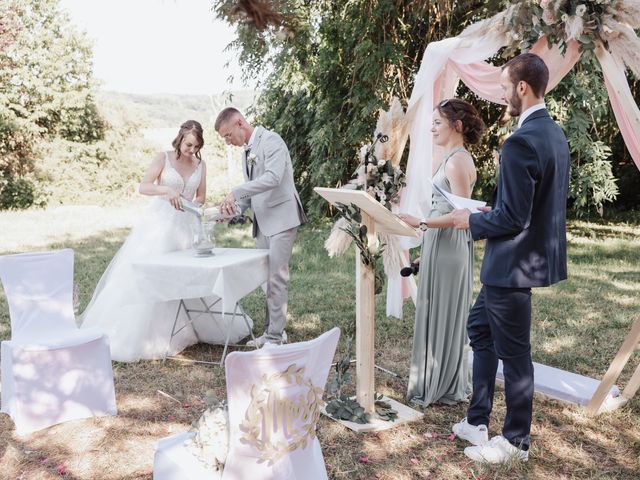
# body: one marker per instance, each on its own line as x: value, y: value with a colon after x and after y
x: 578, y: 326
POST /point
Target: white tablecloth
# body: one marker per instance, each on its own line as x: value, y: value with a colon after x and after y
x: 231, y: 273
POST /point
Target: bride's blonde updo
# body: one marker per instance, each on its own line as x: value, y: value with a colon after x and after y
x: 193, y: 127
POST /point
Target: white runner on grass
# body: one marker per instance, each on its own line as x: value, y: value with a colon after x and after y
x: 560, y: 384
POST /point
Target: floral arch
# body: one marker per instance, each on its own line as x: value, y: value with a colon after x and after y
x: 560, y: 31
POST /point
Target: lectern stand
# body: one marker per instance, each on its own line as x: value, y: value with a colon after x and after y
x: 376, y: 218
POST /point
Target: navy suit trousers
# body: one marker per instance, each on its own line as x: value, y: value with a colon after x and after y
x: 499, y: 327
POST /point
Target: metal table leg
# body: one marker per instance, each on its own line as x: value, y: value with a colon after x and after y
x: 238, y: 311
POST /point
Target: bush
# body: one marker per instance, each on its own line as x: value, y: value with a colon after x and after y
x: 16, y: 193
x: 46, y: 78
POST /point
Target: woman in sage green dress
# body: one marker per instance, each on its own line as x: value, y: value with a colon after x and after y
x: 439, y: 368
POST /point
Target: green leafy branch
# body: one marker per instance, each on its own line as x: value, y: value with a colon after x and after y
x: 358, y: 232
x: 384, y: 410
x: 340, y: 406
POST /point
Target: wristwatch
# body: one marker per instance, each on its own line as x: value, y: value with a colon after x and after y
x: 423, y: 224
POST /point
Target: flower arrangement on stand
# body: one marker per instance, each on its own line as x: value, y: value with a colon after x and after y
x: 379, y: 174
x: 378, y: 177
x: 383, y: 181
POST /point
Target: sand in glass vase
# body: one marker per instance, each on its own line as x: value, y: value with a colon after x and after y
x: 203, y: 241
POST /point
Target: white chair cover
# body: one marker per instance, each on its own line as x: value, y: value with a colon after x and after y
x: 274, y: 396
x: 173, y: 461
x: 51, y: 371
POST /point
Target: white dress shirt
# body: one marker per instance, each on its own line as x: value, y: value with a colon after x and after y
x: 524, y: 115
x: 251, y: 139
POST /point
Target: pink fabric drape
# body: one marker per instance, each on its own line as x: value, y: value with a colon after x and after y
x: 484, y: 79
x: 481, y: 78
x: 622, y: 102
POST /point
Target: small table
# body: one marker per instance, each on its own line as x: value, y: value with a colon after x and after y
x: 229, y: 274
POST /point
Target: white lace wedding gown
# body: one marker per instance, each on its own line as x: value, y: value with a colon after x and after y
x: 137, y: 328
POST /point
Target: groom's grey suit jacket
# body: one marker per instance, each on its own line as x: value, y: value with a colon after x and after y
x: 269, y: 188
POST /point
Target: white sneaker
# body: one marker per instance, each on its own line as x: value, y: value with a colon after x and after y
x: 257, y: 342
x: 260, y: 341
x: 478, y: 435
x: 496, y: 450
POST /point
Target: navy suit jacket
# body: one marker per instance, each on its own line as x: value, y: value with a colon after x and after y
x: 526, y: 229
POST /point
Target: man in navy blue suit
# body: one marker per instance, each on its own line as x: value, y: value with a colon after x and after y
x: 526, y: 248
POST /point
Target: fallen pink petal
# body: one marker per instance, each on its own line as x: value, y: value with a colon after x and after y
x: 415, y: 461
x: 452, y: 437
x: 363, y: 459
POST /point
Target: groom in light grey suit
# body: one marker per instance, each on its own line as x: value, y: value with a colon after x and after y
x: 277, y: 211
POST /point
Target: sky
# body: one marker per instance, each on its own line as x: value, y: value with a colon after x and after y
x: 157, y: 46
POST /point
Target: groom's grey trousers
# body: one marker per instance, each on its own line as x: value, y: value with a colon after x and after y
x: 280, y: 248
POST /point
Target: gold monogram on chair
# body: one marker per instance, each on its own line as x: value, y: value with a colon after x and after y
x: 276, y: 423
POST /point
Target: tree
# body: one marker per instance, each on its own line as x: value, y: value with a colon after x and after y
x: 8, y: 26
x: 46, y: 92
x: 334, y: 63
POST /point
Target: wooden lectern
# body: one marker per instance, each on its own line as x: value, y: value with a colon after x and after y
x: 376, y: 217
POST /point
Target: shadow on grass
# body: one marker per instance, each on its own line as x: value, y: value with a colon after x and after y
x: 578, y: 326
x: 585, y: 447
x: 62, y: 450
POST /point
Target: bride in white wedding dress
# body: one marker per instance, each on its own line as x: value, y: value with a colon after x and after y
x: 137, y: 328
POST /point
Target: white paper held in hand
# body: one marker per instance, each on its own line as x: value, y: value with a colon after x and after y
x: 457, y: 201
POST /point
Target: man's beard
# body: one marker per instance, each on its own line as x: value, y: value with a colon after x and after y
x: 515, y: 106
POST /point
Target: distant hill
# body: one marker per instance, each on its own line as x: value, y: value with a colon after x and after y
x: 169, y: 110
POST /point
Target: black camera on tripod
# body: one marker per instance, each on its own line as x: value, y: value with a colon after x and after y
x: 410, y: 270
